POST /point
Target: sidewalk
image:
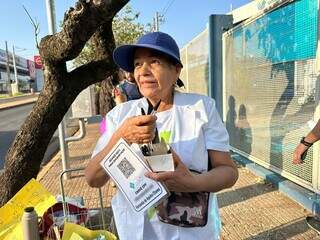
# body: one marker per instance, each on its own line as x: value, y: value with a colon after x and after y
x: 6, y: 103
x: 252, y: 209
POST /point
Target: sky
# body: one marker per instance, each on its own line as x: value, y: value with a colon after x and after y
x: 184, y: 19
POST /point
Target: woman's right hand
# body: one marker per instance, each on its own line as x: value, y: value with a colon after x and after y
x: 139, y: 129
x: 300, y: 149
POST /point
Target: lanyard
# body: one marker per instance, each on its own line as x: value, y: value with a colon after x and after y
x: 151, y: 110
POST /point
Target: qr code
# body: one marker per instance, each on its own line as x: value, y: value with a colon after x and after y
x: 126, y: 168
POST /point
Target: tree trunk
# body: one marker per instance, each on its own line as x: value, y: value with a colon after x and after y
x: 88, y: 19
x: 106, y: 102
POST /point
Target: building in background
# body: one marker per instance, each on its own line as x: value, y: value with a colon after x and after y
x: 27, y: 78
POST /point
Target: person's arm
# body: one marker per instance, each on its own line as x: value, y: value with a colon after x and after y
x: 138, y: 129
x: 223, y: 175
x: 312, y: 137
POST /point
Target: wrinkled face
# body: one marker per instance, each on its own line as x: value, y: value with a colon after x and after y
x: 154, y: 74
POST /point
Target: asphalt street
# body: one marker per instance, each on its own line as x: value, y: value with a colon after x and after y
x: 11, y: 121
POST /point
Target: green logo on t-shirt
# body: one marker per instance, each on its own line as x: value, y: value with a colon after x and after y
x: 165, y: 135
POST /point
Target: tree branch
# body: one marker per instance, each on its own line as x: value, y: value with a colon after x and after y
x: 89, y: 15
x: 36, y: 26
x: 90, y: 73
x: 102, y: 65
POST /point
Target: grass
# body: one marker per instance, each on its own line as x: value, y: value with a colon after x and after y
x: 18, y: 94
x: 7, y: 95
x: 4, y: 95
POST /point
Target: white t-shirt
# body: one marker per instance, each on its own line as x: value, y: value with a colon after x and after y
x: 191, y: 127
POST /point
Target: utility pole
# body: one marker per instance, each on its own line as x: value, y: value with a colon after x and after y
x: 156, y: 22
x: 61, y: 128
x: 14, y: 87
x: 8, y: 72
x: 14, y: 65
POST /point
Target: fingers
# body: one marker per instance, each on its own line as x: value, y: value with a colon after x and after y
x: 298, y: 154
x: 161, y: 177
x: 144, y: 120
x: 140, y: 129
x: 176, y: 159
x: 297, y: 158
x: 143, y: 138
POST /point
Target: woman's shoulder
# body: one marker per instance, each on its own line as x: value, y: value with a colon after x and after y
x: 125, y: 109
x: 184, y: 98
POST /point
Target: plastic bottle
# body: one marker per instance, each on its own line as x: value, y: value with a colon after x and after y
x: 29, y: 224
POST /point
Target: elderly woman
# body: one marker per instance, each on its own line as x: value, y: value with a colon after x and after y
x: 191, y: 126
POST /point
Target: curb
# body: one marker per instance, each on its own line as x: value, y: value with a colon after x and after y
x: 17, y: 104
x: 43, y: 171
x: 303, y: 196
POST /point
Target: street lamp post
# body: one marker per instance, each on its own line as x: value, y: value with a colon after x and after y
x: 61, y: 128
x: 8, y: 72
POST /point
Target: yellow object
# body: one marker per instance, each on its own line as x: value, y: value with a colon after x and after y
x: 84, y: 233
x: 33, y: 194
x: 75, y: 236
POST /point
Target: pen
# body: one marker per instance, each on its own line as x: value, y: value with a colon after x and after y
x: 143, y: 112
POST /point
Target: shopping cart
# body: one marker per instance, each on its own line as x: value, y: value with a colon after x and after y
x: 88, y: 210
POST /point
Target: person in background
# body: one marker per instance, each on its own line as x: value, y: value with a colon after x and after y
x: 190, y: 125
x: 127, y: 89
x: 298, y: 158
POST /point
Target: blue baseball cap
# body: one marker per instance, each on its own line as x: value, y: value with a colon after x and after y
x: 158, y: 41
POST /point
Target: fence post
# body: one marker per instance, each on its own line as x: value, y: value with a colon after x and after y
x: 217, y: 25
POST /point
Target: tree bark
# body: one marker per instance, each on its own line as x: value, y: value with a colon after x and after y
x: 88, y: 19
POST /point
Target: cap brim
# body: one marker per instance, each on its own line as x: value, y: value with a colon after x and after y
x: 123, y: 55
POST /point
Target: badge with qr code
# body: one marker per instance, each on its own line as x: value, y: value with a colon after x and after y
x: 127, y: 170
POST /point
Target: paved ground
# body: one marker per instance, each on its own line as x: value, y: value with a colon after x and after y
x: 252, y: 209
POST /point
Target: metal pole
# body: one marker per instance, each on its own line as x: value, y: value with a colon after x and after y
x: 61, y: 127
x: 14, y: 66
x: 8, y: 72
x: 51, y: 16
x: 217, y: 25
x: 153, y: 24
x: 157, y: 21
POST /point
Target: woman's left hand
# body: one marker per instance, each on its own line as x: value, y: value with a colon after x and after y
x: 179, y: 180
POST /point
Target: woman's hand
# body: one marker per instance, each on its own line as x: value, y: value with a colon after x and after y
x: 179, y: 180
x: 300, y: 149
x: 139, y: 129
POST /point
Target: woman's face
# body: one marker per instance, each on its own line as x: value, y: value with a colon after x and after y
x: 154, y: 75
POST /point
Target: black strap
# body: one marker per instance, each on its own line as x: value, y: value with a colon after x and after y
x: 304, y: 142
x: 209, y: 164
x: 151, y: 107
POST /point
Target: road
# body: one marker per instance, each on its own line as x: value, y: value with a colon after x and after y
x: 11, y: 120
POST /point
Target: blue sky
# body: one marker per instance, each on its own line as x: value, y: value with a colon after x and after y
x: 184, y: 18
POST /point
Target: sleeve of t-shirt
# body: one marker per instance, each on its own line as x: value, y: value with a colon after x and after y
x: 111, y: 126
x: 216, y: 135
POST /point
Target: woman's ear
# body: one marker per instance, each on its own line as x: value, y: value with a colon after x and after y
x: 178, y: 70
